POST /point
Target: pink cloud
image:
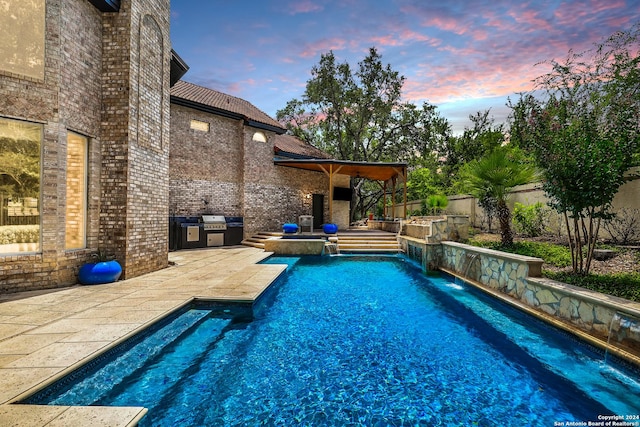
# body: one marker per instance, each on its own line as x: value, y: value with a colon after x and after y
x: 405, y: 37
x: 304, y: 6
x: 322, y: 46
x: 447, y: 24
x: 419, y: 37
x: 576, y: 13
x: 463, y: 81
x: 532, y: 20
x: 387, y: 40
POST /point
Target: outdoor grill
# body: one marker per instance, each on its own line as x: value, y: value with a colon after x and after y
x: 206, y: 230
x: 214, y: 222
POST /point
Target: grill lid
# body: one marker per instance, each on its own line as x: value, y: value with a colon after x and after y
x: 213, y: 219
x: 214, y: 222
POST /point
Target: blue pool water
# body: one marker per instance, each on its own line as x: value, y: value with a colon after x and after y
x: 350, y: 341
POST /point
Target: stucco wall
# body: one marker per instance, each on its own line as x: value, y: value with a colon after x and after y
x: 341, y: 208
x: 626, y: 197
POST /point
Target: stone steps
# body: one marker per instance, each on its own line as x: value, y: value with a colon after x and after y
x: 257, y: 240
x: 350, y: 241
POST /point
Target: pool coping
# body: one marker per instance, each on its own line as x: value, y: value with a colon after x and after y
x: 45, y: 337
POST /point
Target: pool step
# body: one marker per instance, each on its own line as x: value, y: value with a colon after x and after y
x: 368, y: 246
x: 349, y: 241
x: 257, y: 240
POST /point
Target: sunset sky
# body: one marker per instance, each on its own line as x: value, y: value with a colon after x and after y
x: 463, y: 56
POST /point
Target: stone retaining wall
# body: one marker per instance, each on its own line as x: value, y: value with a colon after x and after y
x: 520, y: 278
x: 595, y: 313
x: 606, y: 318
x: 390, y: 226
x: 435, y: 229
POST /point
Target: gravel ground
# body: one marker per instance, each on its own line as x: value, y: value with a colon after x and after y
x: 626, y: 261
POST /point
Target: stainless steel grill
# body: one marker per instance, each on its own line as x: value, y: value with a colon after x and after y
x: 214, y: 222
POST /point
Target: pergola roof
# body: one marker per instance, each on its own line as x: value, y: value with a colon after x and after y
x: 369, y: 170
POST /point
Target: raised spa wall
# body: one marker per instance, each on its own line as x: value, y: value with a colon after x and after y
x: 597, y: 317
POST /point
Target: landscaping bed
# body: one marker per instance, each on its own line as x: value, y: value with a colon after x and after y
x: 618, y: 276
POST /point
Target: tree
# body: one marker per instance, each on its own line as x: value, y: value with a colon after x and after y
x: 493, y: 176
x: 359, y: 116
x: 474, y: 143
x: 585, y: 134
x: 421, y: 184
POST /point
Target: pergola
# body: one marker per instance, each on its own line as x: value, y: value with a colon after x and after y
x: 385, y: 172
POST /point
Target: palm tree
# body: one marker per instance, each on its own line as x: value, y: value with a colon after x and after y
x: 494, y: 176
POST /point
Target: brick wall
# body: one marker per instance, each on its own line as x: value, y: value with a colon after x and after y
x: 66, y: 99
x: 275, y: 194
x: 97, y: 85
x: 135, y: 135
x: 235, y: 175
x: 205, y: 166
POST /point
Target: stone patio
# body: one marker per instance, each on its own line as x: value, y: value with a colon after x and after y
x: 44, y: 337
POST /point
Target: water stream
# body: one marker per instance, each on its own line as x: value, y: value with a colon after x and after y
x: 471, y: 258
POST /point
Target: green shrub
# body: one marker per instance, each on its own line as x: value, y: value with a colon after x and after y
x: 557, y: 255
x: 529, y: 220
x: 437, y: 203
x: 622, y: 285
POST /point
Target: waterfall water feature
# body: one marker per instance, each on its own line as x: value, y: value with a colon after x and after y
x: 471, y: 258
x: 606, y: 350
x: 331, y: 248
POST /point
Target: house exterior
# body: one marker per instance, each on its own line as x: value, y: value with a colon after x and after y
x: 84, y: 138
x: 221, y: 162
x: 98, y: 151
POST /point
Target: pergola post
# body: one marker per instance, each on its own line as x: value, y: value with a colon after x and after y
x: 393, y: 197
x: 404, y: 195
x: 330, y: 193
x: 384, y: 200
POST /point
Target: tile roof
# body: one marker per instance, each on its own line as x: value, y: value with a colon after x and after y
x: 293, y: 145
x: 220, y: 101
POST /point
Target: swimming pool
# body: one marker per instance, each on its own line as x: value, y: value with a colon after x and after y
x: 357, y: 341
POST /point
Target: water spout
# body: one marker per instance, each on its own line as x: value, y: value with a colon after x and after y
x: 471, y: 258
x: 606, y: 350
x: 332, y: 248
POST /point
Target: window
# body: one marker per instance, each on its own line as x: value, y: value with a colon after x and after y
x: 76, y: 208
x: 260, y: 137
x: 22, y: 41
x: 19, y: 186
x: 198, y: 125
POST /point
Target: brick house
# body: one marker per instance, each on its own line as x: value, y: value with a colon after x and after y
x: 221, y: 162
x: 97, y: 151
x: 101, y: 143
x: 84, y: 137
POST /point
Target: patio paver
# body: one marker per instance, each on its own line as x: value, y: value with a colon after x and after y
x: 43, y: 337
